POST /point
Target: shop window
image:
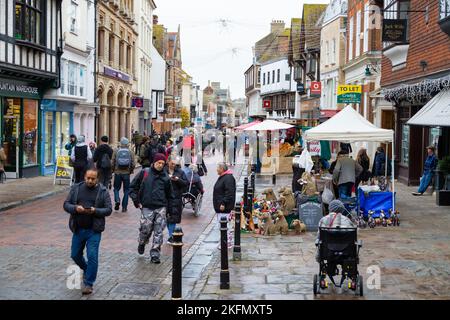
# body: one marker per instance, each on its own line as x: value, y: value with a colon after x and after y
x: 30, y: 108
x: 82, y: 81
x: 405, y: 145
x: 29, y: 21
x: 48, y: 138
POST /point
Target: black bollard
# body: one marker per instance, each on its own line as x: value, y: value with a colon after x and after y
x: 237, y: 233
x: 274, y: 179
x: 176, y: 263
x: 224, y: 272
x: 245, y: 194
x: 252, y: 183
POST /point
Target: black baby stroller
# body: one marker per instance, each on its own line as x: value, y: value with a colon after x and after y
x: 193, y: 196
x: 338, y: 247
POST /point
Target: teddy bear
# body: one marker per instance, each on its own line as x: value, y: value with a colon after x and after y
x: 281, y: 225
x: 298, y: 226
x: 287, y: 201
x: 270, y: 195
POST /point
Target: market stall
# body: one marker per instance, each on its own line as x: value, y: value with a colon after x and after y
x: 349, y: 126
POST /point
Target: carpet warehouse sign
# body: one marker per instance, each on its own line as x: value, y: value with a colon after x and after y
x: 349, y: 94
x: 14, y: 89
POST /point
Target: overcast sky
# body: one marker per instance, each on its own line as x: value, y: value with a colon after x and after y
x: 217, y: 36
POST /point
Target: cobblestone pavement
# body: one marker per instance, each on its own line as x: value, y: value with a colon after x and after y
x: 35, y: 252
x: 413, y: 260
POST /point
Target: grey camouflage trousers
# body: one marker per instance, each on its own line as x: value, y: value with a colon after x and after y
x: 152, y: 221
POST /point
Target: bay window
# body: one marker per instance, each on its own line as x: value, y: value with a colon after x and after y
x: 29, y: 24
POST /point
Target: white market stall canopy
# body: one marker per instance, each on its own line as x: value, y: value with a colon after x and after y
x: 269, y: 125
x: 348, y: 126
x: 435, y: 113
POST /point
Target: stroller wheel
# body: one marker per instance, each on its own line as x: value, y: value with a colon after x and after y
x: 359, y: 286
x: 316, y: 288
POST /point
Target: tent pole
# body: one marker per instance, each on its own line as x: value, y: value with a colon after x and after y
x: 393, y: 174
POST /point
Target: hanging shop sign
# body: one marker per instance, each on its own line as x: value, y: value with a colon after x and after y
x: 300, y: 88
x: 267, y: 104
x: 394, y: 30
x: 314, y: 148
x: 137, y: 102
x: 64, y: 171
x: 349, y: 94
x: 316, y: 89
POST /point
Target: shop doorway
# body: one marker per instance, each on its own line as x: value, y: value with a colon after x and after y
x: 10, y: 136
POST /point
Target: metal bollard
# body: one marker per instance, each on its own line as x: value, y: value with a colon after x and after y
x: 252, y: 183
x: 245, y: 194
x: 224, y: 272
x: 237, y: 233
x: 176, y: 263
x: 274, y: 179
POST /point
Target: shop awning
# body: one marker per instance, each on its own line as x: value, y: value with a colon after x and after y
x: 436, y: 113
x: 246, y: 125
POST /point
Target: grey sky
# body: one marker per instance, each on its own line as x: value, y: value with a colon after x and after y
x: 217, y: 35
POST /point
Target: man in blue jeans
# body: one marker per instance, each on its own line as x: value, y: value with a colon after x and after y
x: 88, y: 203
x: 428, y: 170
x: 123, y: 164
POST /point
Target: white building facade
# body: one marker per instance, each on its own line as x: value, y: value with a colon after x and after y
x: 157, y: 85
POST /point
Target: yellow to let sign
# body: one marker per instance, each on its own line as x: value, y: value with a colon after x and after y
x: 344, y: 89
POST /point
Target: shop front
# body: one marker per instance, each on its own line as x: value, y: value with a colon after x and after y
x: 19, y: 127
x: 57, y: 125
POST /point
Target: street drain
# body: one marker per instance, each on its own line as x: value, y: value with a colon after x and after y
x: 137, y: 289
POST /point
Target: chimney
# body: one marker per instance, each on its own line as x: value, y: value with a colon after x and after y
x: 277, y: 26
x: 155, y: 19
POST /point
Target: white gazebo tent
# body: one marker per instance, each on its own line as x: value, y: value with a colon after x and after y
x: 349, y: 126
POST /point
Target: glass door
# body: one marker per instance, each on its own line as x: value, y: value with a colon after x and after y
x: 11, y: 136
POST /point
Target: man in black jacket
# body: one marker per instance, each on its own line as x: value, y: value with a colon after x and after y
x: 154, y: 148
x: 224, y: 195
x: 102, y: 158
x: 88, y: 203
x: 152, y: 192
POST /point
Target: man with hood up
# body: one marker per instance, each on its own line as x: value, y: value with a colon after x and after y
x: 80, y: 156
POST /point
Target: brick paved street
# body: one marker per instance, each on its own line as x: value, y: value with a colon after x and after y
x: 35, y: 251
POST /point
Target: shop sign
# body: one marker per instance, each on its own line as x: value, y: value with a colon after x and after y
x: 349, y: 94
x: 394, y: 30
x: 316, y: 89
x: 137, y: 102
x: 300, y: 88
x: 314, y: 148
x: 117, y: 74
x: 64, y: 171
x: 13, y: 89
x: 267, y: 104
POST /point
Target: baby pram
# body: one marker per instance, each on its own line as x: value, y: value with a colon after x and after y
x: 193, y: 197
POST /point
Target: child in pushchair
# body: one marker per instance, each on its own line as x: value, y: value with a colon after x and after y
x: 194, y: 194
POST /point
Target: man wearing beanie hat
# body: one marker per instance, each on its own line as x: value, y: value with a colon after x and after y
x: 151, y: 191
x: 123, y: 164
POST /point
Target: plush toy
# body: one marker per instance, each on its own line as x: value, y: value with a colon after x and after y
x: 287, y: 201
x: 371, y: 221
x: 270, y: 195
x: 268, y: 226
x: 298, y: 226
x: 383, y: 218
x: 309, y: 186
x: 281, y: 225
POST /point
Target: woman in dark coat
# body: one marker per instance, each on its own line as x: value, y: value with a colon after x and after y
x: 364, y: 161
x: 179, y: 185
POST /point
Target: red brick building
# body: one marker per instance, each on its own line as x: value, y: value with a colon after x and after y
x: 413, y: 72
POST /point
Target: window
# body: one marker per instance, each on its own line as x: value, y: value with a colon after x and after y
x: 63, y: 76
x: 30, y: 21
x: 82, y: 81
x: 327, y: 59
x: 48, y: 145
x: 72, y: 78
x: 405, y: 145
x: 259, y: 77
x: 264, y: 79
x: 444, y: 6
x: 278, y: 75
x: 287, y: 77
x: 350, y: 36
x: 366, y: 28
x: 333, y: 56
x: 111, y: 48
x: 268, y: 77
x: 273, y: 76
x: 73, y: 21
x: 30, y: 127
x: 358, y: 34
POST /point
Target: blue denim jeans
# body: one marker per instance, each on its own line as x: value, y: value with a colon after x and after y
x: 91, y: 240
x: 171, y: 228
x: 118, y: 180
x: 425, y: 181
x: 345, y: 190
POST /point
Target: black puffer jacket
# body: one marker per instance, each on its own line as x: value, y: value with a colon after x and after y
x: 224, y: 193
x: 153, y: 191
x: 179, y: 187
x: 103, y: 207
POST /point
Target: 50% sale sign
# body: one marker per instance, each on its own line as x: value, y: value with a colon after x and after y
x: 63, y: 171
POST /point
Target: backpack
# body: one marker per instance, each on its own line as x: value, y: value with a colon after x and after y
x: 123, y: 159
x: 105, y: 162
